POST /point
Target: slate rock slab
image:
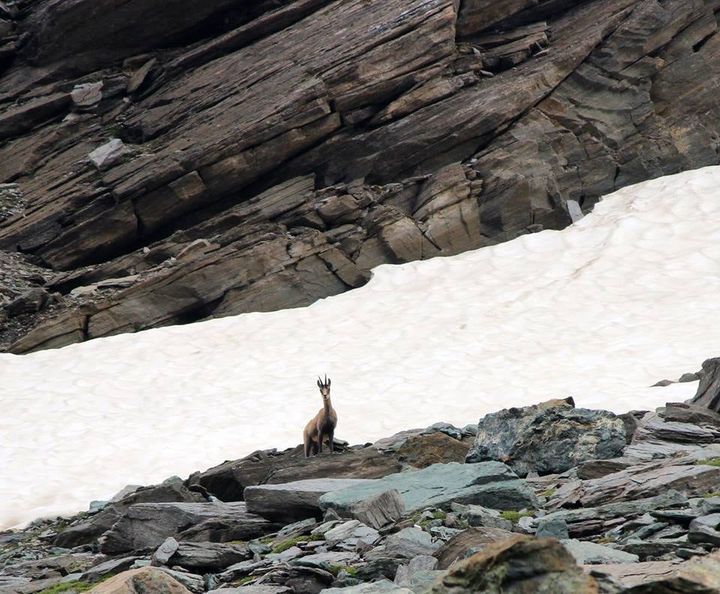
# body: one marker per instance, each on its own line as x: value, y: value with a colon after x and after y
x: 144, y: 526
x: 547, y: 438
x: 589, y: 553
x: 490, y: 484
x: 296, y: 500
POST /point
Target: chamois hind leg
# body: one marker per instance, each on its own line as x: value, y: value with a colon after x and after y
x: 306, y: 444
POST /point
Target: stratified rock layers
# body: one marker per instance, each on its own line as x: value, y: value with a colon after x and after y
x: 272, y: 156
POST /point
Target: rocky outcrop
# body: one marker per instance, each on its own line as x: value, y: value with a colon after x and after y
x: 646, y: 521
x: 708, y: 394
x: 551, y: 437
x: 259, y: 160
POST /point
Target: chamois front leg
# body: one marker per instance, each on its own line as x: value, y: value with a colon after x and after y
x: 320, y: 440
x: 331, y: 442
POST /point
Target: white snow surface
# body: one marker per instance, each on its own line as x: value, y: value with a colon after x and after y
x: 600, y: 311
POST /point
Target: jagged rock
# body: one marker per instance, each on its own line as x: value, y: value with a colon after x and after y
x: 705, y: 529
x: 109, y: 567
x: 87, y: 531
x: 194, y: 583
x: 477, y: 515
x: 352, y: 533
x: 295, y: 500
x: 421, y: 563
x: 691, y: 413
x: 547, y: 438
x: 467, y: 543
x: 208, y: 557
x: 517, y: 565
x: 589, y: 520
x: 424, y: 450
x: 700, y: 575
x: 108, y: 154
x: 590, y: 553
x: 87, y: 95
x: 229, y: 480
x: 708, y: 393
x: 379, y: 510
x: 30, y: 301
x: 643, y: 481
x: 655, y: 428
x: 406, y: 544
x: 144, y: 526
x: 141, y: 580
x: 552, y: 528
x: 165, y: 551
x: 490, y: 483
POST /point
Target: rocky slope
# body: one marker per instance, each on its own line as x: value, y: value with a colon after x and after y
x: 546, y: 498
x: 231, y: 157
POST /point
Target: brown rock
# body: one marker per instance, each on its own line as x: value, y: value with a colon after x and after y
x: 147, y: 579
x: 517, y: 565
x: 421, y: 451
x: 468, y: 542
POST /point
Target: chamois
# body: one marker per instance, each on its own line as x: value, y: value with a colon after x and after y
x: 322, y: 425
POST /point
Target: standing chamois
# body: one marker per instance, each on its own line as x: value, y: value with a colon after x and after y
x: 322, y: 426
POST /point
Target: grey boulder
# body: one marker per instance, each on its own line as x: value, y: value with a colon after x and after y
x: 547, y: 438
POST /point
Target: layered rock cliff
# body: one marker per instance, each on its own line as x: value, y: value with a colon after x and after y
x: 167, y: 162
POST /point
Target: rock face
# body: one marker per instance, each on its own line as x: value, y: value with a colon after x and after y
x: 429, y: 127
x: 547, y: 438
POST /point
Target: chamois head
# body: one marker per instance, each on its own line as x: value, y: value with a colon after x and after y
x: 324, y: 387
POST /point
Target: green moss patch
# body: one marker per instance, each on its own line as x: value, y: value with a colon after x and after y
x: 68, y: 587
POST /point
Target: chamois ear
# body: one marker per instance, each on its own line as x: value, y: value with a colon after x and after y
x: 328, y: 383
x: 319, y: 383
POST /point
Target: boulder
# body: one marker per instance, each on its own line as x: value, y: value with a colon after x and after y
x: 208, y: 557
x: 708, y: 392
x: 700, y: 575
x: 379, y: 510
x: 548, y: 438
x: 491, y: 484
x: 705, y: 530
x: 172, y: 490
x: 421, y: 451
x: 145, y: 526
x: 467, y: 543
x: 691, y: 413
x: 590, y: 553
x: 147, y: 579
x: 106, y: 155
x: 351, y: 534
x: 293, y: 501
x: 517, y: 565
x: 228, y: 481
